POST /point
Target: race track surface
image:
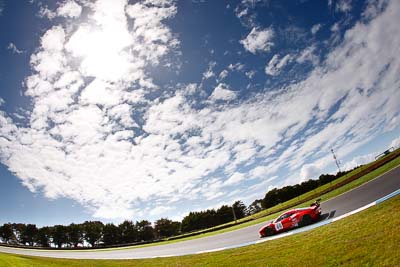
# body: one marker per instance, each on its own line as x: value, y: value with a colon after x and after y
x: 335, y: 207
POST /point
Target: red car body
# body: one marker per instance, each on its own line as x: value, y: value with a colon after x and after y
x: 292, y: 219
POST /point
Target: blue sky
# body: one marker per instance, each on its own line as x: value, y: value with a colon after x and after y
x: 117, y: 110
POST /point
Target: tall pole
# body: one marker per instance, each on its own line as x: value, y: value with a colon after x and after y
x: 234, y: 214
x: 336, y: 160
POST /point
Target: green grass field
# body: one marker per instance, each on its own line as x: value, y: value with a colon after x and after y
x: 369, y: 238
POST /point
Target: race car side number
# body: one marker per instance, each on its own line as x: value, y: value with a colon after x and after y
x: 278, y: 226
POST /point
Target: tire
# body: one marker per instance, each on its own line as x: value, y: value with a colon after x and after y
x: 305, y: 220
x: 268, y: 231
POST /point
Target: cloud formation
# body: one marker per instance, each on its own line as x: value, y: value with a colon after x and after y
x: 85, y: 84
x: 222, y: 92
x: 315, y: 28
x: 343, y: 6
x: 395, y: 143
x: 360, y: 160
x: 258, y: 40
x: 276, y: 64
x: 69, y: 9
x: 14, y: 48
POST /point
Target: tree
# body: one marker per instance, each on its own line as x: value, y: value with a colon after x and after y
x: 276, y: 196
x: 224, y: 214
x: 111, y: 234
x: 145, y: 230
x: 28, y: 234
x: 326, y: 178
x: 211, y: 217
x: 188, y: 222
x: 239, y: 209
x: 6, y: 232
x: 93, y: 231
x: 166, y: 228
x: 254, y: 207
x: 129, y: 233
x: 271, y: 198
x: 74, y: 234
x: 43, y: 237
x: 19, y: 229
x: 59, y: 235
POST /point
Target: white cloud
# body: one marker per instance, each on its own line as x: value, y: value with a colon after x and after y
x: 209, y: 72
x: 242, y: 13
x: 50, y: 60
x: 258, y: 40
x: 53, y: 40
x: 101, y: 48
x: 308, y: 54
x: 260, y: 171
x: 373, y: 9
x: 262, y: 186
x: 359, y: 160
x: 110, y: 211
x: 251, y: 3
x: 344, y: 6
x: 223, y: 74
x: 276, y: 64
x: 45, y: 12
x: 335, y: 27
x: 310, y: 171
x: 222, y: 92
x: 159, y: 210
x: 237, y: 66
x: 14, y: 48
x: 232, y: 67
x: 315, y: 28
x: 236, y: 178
x: 69, y: 9
x: 250, y: 74
x: 99, y: 92
x: 65, y: 159
x: 395, y: 143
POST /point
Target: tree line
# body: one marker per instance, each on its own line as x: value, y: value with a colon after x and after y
x: 212, y: 217
x: 95, y: 233
x: 280, y: 195
x: 89, y: 233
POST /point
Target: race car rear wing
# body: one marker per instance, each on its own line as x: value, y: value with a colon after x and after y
x: 316, y: 203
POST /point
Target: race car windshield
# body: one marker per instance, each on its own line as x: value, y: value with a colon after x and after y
x: 283, y: 216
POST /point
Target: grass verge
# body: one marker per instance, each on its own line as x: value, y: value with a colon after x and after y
x: 369, y: 238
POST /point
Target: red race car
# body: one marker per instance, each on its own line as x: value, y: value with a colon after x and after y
x: 292, y: 219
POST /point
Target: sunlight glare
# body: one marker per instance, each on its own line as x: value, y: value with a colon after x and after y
x: 103, y: 51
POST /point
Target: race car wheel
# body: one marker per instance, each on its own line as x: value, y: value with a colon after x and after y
x: 305, y: 220
x: 268, y: 231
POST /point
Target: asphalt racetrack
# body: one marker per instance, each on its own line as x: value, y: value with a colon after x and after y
x: 335, y: 207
